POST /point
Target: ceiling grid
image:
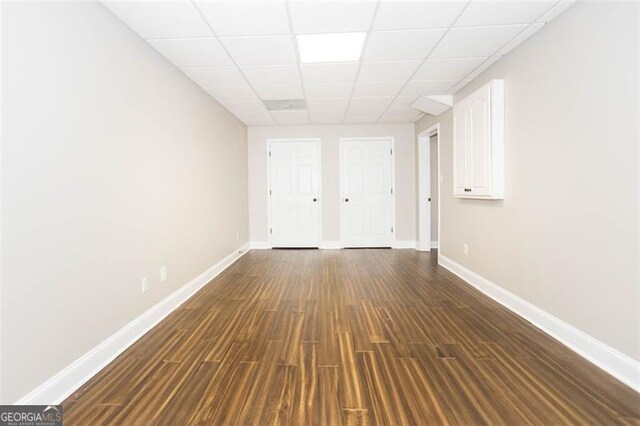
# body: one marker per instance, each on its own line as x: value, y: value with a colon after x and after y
x: 245, y: 52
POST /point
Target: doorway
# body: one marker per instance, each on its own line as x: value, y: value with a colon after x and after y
x: 429, y: 180
x: 294, y: 193
x: 367, y: 192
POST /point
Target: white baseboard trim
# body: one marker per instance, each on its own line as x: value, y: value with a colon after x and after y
x: 619, y: 365
x: 331, y: 245
x: 403, y: 244
x: 434, y: 244
x: 260, y: 245
x: 64, y: 383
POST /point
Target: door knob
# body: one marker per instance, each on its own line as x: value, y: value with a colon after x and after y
x: 346, y: 200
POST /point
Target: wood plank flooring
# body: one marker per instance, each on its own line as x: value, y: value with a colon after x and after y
x: 333, y: 337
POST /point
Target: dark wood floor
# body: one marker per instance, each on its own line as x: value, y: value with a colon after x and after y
x: 343, y: 337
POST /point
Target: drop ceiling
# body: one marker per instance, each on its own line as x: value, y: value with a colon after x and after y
x: 243, y: 53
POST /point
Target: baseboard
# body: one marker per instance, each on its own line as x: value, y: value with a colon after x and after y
x: 434, y: 244
x: 619, y: 365
x: 403, y: 244
x: 260, y: 245
x: 332, y: 245
x: 63, y: 384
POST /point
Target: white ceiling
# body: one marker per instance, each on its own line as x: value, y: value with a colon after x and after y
x: 244, y: 52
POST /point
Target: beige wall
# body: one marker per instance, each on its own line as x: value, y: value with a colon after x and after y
x: 565, y: 238
x: 114, y: 164
x: 330, y: 135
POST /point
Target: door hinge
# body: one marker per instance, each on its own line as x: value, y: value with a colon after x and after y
x: 269, y: 192
x: 392, y: 190
x: 392, y: 229
x: 269, y: 153
x: 271, y: 230
x: 391, y: 151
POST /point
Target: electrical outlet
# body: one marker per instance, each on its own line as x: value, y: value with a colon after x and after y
x: 145, y: 285
x: 465, y: 248
x: 163, y: 274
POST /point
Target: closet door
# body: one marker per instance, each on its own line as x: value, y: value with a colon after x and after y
x: 367, y: 199
x: 294, y: 193
x: 478, y: 133
x: 479, y: 171
x: 461, y: 135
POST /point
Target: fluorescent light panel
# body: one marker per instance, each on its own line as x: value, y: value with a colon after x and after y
x: 335, y: 47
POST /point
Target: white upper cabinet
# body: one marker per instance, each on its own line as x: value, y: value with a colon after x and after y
x: 478, y: 133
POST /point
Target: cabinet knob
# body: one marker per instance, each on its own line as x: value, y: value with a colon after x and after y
x: 346, y: 200
x: 315, y: 199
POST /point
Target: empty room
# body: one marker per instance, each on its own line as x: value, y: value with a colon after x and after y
x: 317, y: 212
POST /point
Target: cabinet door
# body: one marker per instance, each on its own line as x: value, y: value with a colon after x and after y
x: 479, y: 152
x: 461, y: 127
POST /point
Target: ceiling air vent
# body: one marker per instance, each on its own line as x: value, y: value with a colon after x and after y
x: 285, y: 104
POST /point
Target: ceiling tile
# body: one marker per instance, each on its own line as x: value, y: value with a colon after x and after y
x: 395, y: 15
x: 253, y: 115
x: 486, y: 64
x: 274, y: 75
x: 459, y: 85
x: 403, y: 101
x: 556, y: 10
x: 246, y: 18
x: 280, y: 92
x: 532, y: 29
x: 447, y: 69
x: 335, y: 104
x: 215, y: 76
x: 192, y: 52
x: 319, y: 91
x: 329, y: 73
x: 326, y: 116
x: 399, y: 115
x: 291, y: 117
x: 502, y: 12
x: 387, y: 71
x: 401, y: 112
x: 399, y: 118
x: 232, y: 93
x: 360, y: 120
x: 427, y: 87
x: 374, y: 102
x: 401, y: 45
x: 260, y: 122
x: 377, y: 88
x: 161, y: 19
x: 331, y: 17
x: 364, y: 112
x: 244, y: 106
x: 475, y: 42
x: 261, y: 50
x: 327, y: 120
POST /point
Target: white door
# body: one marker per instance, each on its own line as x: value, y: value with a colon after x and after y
x: 294, y: 193
x: 424, y: 190
x: 480, y: 143
x: 367, y: 192
x: 461, y: 131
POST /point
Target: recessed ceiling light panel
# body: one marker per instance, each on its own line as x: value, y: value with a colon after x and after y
x: 335, y: 47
